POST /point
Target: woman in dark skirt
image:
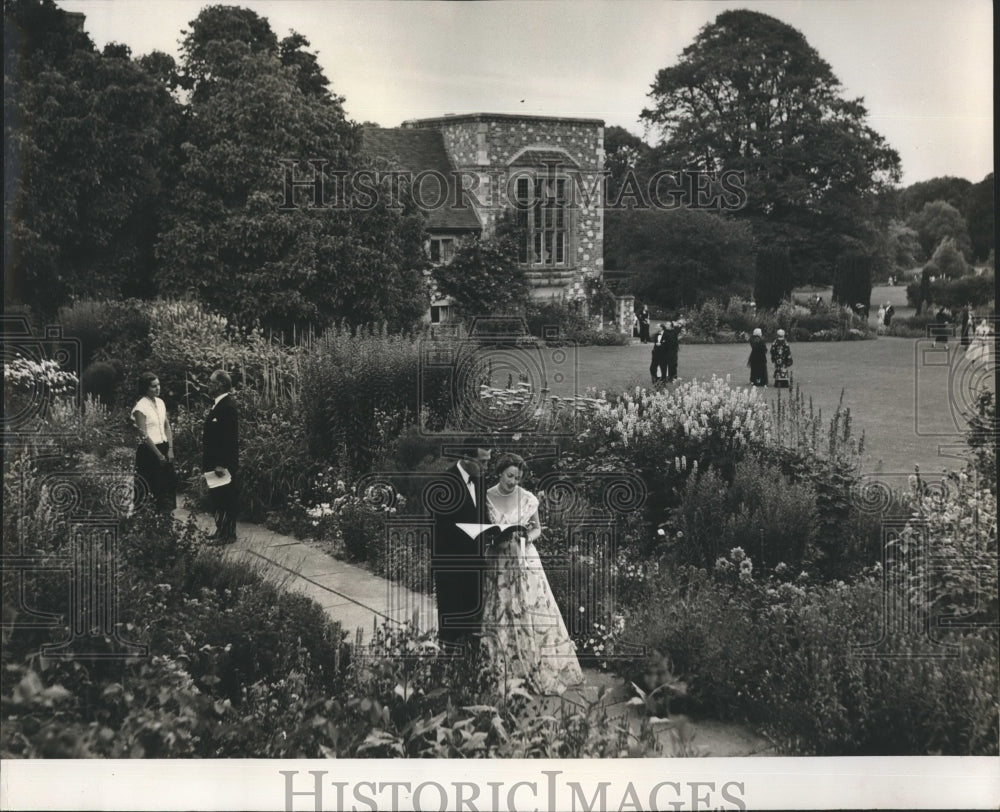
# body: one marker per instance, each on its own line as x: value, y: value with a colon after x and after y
x: 758, y: 359
x: 154, y: 457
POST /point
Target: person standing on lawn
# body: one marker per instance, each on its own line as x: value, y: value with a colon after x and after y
x: 758, y: 358
x: 966, y: 326
x: 644, y: 326
x: 671, y: 349
x: 781, y: 357
x: 890, y: 311
x: 658, y: 364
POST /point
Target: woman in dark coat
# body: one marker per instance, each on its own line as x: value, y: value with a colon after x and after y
x: 758, y: 359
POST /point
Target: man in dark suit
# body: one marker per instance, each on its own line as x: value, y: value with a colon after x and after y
x: 671, y: 348
x: 457, y: 561
x: 658, y: 364
x: 220, y: 453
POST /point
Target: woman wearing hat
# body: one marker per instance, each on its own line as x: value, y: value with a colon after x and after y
x: 758, y: 358
x: 781, y: 357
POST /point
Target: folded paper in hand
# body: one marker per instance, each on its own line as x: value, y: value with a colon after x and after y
x: 214, y: 480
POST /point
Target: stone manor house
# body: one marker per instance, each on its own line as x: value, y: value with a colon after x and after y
x: 546, y: 170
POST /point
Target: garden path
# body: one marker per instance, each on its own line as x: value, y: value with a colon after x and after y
x: 357, y: 599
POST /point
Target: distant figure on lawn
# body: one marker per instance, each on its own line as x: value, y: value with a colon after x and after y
x: 966, y: 326
x: 658, y: 362
x: 981, y: 348
x: 941, y: 327
x: 644, y: 326
x: 890, y: 311
x: 758, y: 358
x: 880, y: 321
x: 781, y: 357
x: 671, y: 348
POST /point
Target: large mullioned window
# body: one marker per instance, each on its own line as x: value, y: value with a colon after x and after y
x: 543, y: 213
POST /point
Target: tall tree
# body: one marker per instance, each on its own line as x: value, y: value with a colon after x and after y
x: 624, y: 154
x: 982, y: 217
x: 751, y: 95
x: 938, y: 220
x: 947, y: 188
x: 682, y: 257
x: 90, y: 143
x: 231, y: 241
x: 852, y: 282
x: 773, y: 281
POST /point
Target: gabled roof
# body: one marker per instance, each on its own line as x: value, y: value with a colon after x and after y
x: 422, y: 150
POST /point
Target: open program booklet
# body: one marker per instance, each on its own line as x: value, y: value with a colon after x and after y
x: 497, y: 531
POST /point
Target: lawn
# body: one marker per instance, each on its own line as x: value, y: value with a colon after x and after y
x: 901, y: 392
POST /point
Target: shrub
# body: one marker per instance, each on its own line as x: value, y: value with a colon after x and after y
x: 761, y: 511
x: 975, y: 289
x: 557, y: 322
x: 706, y: 318
x: 797, y: 662
x: 111, y: 331
x: 981, y: 438
x: 359, y: 392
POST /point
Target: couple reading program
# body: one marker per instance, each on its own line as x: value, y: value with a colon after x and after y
x: 491, y: 585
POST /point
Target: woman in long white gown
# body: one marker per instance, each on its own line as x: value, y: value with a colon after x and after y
x: 981, y: 348
x: 523, y: 628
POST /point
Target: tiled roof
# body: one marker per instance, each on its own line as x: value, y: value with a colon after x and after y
x: 416, y: 151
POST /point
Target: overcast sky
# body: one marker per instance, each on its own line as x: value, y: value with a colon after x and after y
x: 924, y: 67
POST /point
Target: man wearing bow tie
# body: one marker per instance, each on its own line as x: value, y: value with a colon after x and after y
x: 221, y: 449
x: 457, y: 561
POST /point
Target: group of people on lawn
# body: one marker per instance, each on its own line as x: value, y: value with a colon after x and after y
x: 666, y: 348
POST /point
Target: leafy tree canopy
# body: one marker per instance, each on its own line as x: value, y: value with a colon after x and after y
x: 90, y: 142
x: 624, y: 153
x: 253, y: 108
x: 948, y: 260
x: 751, y: 95
x: 938, y: 220
x: 484, y: 277
x: 680, y: 257
x: 949, y: 189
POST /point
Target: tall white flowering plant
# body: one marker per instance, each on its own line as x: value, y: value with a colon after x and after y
x: 668, y: 434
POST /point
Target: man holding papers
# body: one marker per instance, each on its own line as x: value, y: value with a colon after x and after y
x: 220, y: 457
x: 456, y: 558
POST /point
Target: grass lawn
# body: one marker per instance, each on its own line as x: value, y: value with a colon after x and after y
x: 902, y: 393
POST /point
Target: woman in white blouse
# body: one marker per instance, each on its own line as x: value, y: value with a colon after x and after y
x: 154, y: 458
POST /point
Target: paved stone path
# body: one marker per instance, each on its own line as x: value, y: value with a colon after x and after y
x: 357, y: 599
